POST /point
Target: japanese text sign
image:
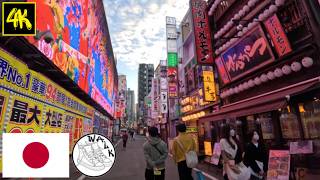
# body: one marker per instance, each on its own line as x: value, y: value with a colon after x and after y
x: 173, y: 90
x: 278, y: 35
x: 202, y: 32
x: 172, y: 59
x: 209, y: 86
x: 222, y: 71
x: 251, y: 52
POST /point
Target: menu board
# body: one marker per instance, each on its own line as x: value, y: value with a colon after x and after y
x: 279, y: 165
x: 216, y: 154
x: 266, y: 126
x: 289, y: 126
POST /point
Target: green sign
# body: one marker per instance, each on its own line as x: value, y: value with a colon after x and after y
x: 172, y: 59
x: 191, y: 129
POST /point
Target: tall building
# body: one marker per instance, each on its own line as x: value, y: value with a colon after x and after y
x: 145, y: 75
x: 131, y: 108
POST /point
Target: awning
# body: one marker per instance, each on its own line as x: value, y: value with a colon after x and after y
x: 262, y: 103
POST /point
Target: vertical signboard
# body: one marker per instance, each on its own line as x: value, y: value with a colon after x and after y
x: 209, y: 86
x: 278, y: 35
x: 202, y: 32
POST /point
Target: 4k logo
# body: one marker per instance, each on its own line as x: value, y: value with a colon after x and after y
x: 18, y: 18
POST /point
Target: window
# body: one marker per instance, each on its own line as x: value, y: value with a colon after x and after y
x: 265, y: 120
x: 310, y: 116
x: 289, y: 124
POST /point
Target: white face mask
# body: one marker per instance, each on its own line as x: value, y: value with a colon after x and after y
x: 232, y: 132
x: 256, y: 137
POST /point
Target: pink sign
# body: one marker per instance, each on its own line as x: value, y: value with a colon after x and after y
x: 301, y: 147
x: 216, y: 154
x: 279, y: 165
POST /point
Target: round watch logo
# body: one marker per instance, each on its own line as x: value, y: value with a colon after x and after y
x: 93, y: 155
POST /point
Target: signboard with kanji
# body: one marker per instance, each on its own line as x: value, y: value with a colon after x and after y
x: 209, y: 86
x: 278, y: 36
x: 172, y: 59
x: 202, y: 32
x: 248, y: 54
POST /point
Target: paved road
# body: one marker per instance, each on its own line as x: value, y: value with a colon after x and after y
x: 130, y: 163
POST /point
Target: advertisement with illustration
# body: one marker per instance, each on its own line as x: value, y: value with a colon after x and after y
x: 279, y: 165
x: 80, y: 45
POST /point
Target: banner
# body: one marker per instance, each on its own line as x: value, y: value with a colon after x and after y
x: 25, y: 115
x: 279, y: 165
x: 209, y: 86
x: 4, y: 98
x: 202, y: 31
x: 54, y: 120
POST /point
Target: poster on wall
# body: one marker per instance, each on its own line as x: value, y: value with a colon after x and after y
x: 301, y: 147
x: 216, y: 154
x: 248, y: 54
x: 279, y: 165
x: 81, y: 45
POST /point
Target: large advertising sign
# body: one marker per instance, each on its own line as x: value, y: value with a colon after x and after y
x: 250, y: 53
x: 81, y: 45
x: 202, y: 32
x: 30, y: 102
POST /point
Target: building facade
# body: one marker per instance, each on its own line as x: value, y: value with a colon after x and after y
x: 267, y: 57
x: 130, y: 108
x: 145, y: 75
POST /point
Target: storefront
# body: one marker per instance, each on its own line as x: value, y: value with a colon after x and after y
x: 269, y: 74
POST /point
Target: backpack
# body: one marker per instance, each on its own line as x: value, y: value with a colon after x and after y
x: 191, y: 156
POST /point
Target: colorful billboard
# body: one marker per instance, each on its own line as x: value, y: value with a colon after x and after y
x: 248, y: 54
x: 81, y: 45
x: 202, y: 31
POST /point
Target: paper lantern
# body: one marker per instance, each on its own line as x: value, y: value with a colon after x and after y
x: 273, y: 8
x: 278, y: 72
x: 307, y: 62
x: 244, y: 30
x: 279, y: 2
x: 241, y: 13
x: 245, y: 85
x: 257, y: 81
x: 240, y: 87
x: 271, y: 75
x: 267, y: 13
x: 251, y: 3
x: 286, y: 69
x: 240, y: 33
x: 237, y: 17
x: 231, y: 91
x: 296, y: 66
x: 251, y: 83
x: 239, y: 27
x: 264, y: 78
x: 246, y: 8
x: 236, y: 90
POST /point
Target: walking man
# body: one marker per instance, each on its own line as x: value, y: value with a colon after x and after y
x: 124, y: 139
x: 183, y: 143
x: 155, y: 153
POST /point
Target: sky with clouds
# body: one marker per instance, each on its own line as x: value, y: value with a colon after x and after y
x: 137, y: 30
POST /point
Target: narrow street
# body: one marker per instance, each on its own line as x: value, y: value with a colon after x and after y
x: 130, y: 163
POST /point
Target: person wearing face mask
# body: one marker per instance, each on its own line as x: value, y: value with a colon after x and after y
x: 233, y: 168
x: 255, y: 157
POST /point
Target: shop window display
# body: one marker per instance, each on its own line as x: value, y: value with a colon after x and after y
x: 289, y: 124
x: 310, y: 116
x: 267, y: 129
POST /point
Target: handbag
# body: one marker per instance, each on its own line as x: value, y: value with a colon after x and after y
x: 191, y: 156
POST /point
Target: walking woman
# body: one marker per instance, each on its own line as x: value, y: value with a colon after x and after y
x: 256, y: 157
x: 232, y: 169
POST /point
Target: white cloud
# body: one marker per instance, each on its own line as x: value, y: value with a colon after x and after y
x: 137, y: 29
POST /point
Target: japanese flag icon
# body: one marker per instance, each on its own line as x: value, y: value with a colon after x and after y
x: 38, y: 155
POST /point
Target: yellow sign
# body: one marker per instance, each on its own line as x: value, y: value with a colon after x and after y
x: 18, y: 18
x: 25, y: 115
x: 53, y: 121
x: 209, y: 86
x: 4, y: 97
x: 207, y: 148
x: 192, y: 130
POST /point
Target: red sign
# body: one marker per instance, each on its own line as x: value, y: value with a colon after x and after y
x: 202, y: 32
x: 222, y: 71
x: 172, y: 74
x: 278, y: 35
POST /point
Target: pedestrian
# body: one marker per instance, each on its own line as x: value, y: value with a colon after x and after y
x: 233, y: 167
x: 124, y: 139
x: 256, y: 157
x: 132, y: 133
x: 183, y: 143
x: 155, y: 153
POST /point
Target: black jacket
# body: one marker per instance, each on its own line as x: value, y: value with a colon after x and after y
x: 254, y: 153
